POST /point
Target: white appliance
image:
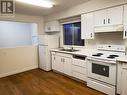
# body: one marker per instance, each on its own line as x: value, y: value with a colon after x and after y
x: 46, y: 42
x: 102, y: 68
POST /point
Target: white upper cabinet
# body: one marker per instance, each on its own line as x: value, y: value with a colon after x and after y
x: 110, y: 16
x: 87, y: 26
x: 52, y: 26
x: 115, y: 15
x: 100, y: 18
x: 125, y: 22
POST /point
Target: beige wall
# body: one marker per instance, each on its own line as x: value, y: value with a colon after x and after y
x: 106, y: 38
x: 19, y: 59
x: 26, y: 18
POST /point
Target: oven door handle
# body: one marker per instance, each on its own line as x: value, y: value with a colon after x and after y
x: 100, y: 60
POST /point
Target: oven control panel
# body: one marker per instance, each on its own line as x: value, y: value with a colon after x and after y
x: 118, y: 48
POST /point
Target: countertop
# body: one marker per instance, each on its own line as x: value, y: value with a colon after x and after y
x: 122, y: 59
x: 87, y: 52
x: 83, y: 52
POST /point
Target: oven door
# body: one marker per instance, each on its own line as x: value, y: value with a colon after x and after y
x: 103, y: 71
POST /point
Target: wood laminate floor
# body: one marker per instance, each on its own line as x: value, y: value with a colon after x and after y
x: 38, y: 82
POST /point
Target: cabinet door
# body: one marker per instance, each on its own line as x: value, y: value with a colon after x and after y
x: 87, y: 26
x: 125, y: 22
x: 59, y: 64
x: 55, y: 26
x: 115, y: 15
x: 124, y: 82
x: 67, y: 65
x: 54, y: 62
x: 100, y: 18
x: 52, y: 26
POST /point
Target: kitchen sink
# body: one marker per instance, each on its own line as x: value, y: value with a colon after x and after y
x: 69, y: 50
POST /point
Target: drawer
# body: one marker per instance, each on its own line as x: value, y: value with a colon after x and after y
x: 78, y: 69
x: 64, y: 55
x: 124, y: 66
x: 79, y: 76
x: 79, y: 62
x: 102, y: 87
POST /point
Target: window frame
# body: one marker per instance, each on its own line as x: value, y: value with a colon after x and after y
x: 31, y: 36
x: 75, y: 46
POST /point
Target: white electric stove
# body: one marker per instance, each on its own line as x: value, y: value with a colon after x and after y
x: 102, y: 68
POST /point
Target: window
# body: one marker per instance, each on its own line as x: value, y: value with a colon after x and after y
x: 72, y: 34
x: 14, y: 34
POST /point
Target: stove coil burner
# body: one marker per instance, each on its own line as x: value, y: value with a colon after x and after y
x: 112, y: 56
x: 98, y: 54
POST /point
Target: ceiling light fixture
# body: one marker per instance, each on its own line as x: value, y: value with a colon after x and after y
x: 40, y: 3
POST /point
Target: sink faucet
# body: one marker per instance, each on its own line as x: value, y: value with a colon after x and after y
x: 72, y: 48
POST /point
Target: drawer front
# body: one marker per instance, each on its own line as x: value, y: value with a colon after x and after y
x: 79, y: 62
x: 79, y: 76
x: 124, y: 66
x: 78, y: 69
x: 64, y: 55
x: 100, y: 86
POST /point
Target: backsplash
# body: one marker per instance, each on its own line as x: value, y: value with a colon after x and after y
x: 106, y: 38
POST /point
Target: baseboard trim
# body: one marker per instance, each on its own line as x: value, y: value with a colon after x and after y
x: 17, y: 71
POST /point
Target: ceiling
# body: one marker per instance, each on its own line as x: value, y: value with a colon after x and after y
x: 59, y: 5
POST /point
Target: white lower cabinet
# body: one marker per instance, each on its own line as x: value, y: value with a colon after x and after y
x: 124, y: 82
x: 59, y: 63
x: 54, y: 63
x: 67, y: 64
x: 124, y: 79
x: 62, y: 63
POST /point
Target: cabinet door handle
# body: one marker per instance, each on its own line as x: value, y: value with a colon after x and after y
x: 54, y: 58
x: 49, y: 28
x: 108, y: 21
x: 61, y: 60
x: 104, y: 21
x: 125, y: 33
x: 91, y: 35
